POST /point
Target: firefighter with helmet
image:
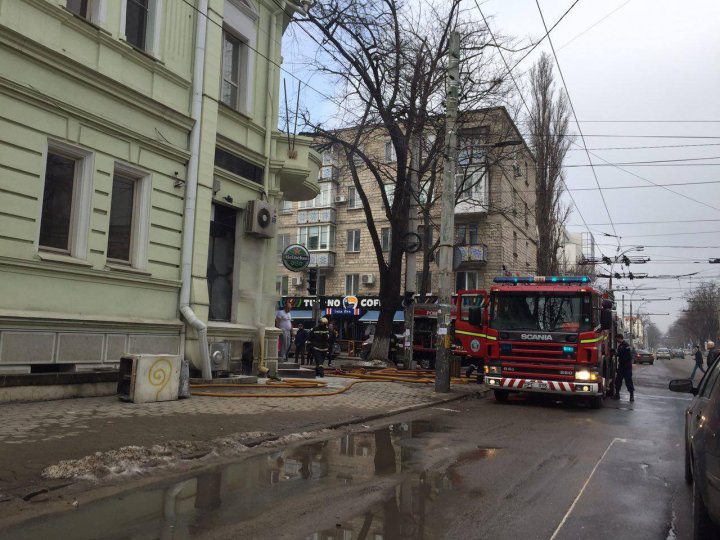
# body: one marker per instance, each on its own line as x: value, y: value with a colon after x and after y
x: 319, y: 340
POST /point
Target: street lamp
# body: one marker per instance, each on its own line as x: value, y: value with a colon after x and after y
x: 617, y: 258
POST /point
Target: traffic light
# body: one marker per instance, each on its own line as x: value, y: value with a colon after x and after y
x: 312, y: 281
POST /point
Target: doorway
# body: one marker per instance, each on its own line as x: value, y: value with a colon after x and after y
x: 221, y: 262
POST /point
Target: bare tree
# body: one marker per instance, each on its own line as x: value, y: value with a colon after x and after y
x: 388, y: 64
x: 700, y: 319
x: 549, y: 140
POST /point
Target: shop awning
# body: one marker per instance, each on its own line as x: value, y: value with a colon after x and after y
x: 372, y: 316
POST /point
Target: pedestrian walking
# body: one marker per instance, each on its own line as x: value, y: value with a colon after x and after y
x: 300, y: 339
x: 698, y: 361
x: 712, y: 353
x: 624, y: 372
x: 331, y: 342
x: 283, y: 321
x: 319, y: 340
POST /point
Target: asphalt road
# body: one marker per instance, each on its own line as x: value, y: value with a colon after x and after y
x: 529, y: 469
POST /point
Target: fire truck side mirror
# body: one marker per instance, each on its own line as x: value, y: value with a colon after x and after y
x: 606, y: 319
x: 475, y: 316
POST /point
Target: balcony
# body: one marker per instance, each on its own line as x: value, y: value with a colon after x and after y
x: 316, y: 215
x: 470, y: 256
x: 471, y: 206
x: 329, y: 173
x: 322, y: 259
x: 298, y: 168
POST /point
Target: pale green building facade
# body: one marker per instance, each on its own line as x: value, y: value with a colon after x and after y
x: 129, y: 128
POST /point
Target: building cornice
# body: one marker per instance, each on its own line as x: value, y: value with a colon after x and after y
x: 51, y: 269
x: 52, y: 105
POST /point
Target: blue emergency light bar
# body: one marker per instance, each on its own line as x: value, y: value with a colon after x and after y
x: 542, y: 279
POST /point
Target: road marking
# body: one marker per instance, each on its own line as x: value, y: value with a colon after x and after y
x: 582, y: 490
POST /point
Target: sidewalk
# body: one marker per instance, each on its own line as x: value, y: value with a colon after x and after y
x: 36, y: 435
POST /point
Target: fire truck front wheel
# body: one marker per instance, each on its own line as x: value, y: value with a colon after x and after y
x: 501, y: 395
x: 596, y: 402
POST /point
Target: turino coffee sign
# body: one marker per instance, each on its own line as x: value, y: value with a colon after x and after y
x: 295, y: 258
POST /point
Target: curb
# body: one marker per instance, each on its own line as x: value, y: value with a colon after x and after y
x: 482, y: 392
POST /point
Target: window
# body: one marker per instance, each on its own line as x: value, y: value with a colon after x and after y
x: 321, y: 282
x: 231, y: 70
x: 353, y: 240
x: 515, y: 247
x: 121, y: 218
x: 465, y: 281
x: 426, y: 235
x: 283, y: 241
x: 141, y: 24
x: 390, y: 193
x: 466, y: 234
x: 129, y: 217
x: 326, y: 197
x: 352, y: 284
x: 239, y: 39
x: 514, y: 202
x: 390, y: 156
x: 354, y: 200
x: 418, y: 282
x: 385, y: 238
x: 286, y: 207
x: 237, y: 165
x: 282, y: 285
x: 66, y: 204
x: 472, y: 151
x: 356, y: 157
x: 476, y: 187
x: 527, y: 254
x: 329, y: 157
x: 527, y: 211
x: 317, y: 237
x: 79, y: 7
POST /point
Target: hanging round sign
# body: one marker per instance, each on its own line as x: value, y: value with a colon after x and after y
x: 296, y: 258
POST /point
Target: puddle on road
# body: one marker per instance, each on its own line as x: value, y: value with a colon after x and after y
x: 374, y: 484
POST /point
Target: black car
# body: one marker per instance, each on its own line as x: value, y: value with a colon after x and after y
x: 642, y: 356
x: 702, y: 450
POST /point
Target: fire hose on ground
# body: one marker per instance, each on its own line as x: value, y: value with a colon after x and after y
x: 361, y: 376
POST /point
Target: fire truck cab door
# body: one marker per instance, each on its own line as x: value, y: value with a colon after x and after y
x: 472, y: 319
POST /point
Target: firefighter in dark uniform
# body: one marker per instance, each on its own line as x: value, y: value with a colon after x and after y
x: 319, y: 340
x: 624, y: 371
x: 392, y: 356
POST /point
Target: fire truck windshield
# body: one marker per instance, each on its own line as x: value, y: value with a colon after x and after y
x: 541, y: 311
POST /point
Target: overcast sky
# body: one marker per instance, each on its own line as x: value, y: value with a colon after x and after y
x: 650, y: 60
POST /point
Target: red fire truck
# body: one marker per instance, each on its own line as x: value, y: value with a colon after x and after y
x: 540, y: 334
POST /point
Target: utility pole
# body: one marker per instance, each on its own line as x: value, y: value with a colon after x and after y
x: 411, y: 255
x: 447, y: 219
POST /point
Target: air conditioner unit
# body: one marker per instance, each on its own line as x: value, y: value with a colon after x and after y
x: 339, y: 199
x: 297, y: 281
x: 260, y: 219
x: 368, y: 279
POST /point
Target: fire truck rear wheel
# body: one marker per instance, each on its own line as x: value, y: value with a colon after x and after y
x: 501, y: 395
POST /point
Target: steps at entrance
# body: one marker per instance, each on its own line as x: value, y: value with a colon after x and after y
x: 293, y: 370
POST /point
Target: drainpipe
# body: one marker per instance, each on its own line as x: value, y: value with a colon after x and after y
x: 191, y: 190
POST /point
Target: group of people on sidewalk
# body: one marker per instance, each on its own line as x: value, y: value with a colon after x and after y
x: 312, y: 347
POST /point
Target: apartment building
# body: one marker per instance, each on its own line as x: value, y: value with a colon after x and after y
x: 494, y: 219
x: 138, y: 151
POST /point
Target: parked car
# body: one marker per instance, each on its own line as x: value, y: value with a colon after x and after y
x: 702, y: 451
x: 677, y: 353
x: 642, y: 356
x: 663, y: 353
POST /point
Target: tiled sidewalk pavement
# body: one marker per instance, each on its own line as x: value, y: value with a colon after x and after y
x: 22, y: 423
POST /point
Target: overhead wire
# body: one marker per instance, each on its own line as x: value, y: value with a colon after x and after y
x: 517, y: 86
x: 577, y: 123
